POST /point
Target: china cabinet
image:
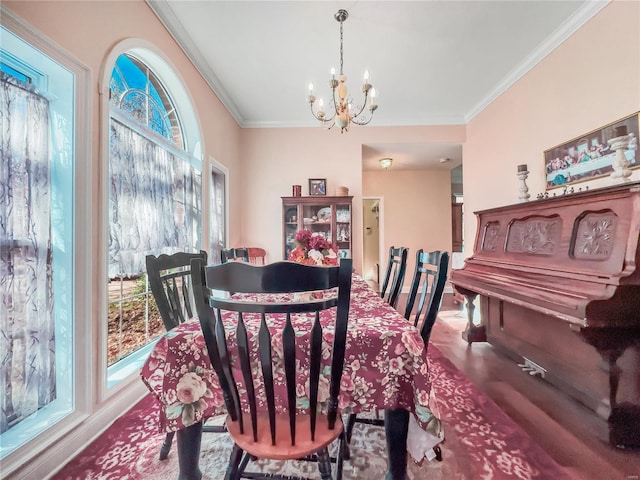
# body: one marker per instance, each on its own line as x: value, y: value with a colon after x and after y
x: 328, y: 216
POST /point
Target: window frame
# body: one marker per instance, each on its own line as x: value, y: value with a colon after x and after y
x: 175, y: 86
x: 83, y: 283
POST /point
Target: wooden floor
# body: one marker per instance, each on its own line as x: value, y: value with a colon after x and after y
x: 573, y: 435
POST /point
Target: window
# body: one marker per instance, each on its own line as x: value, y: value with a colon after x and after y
x: 155, y: 187
x: 37, y: 281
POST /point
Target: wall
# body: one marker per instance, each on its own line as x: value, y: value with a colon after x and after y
x: 417, y: 211
x: 592, y: 79
x: 275, y: 159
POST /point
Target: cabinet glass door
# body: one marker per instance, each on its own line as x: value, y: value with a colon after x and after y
x: 343, y: 230
x: 290, y: 228
x: 317, y: 219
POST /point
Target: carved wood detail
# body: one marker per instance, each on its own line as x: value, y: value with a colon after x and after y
x: 535, y: 235
x: 491, y: 236
x: 594, y: 236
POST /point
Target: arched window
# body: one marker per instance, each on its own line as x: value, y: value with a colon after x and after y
x: 155, y: 191
x: 135, y: 90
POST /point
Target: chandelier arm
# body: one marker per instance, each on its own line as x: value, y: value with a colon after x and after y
x: 317, y: 117
x: 364, y: 104
x: 362, y: 122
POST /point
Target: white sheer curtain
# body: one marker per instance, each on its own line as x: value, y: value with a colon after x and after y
x: 27, y: 340
x: 154, y: 202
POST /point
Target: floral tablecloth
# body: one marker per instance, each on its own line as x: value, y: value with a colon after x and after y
x: 385, y: 367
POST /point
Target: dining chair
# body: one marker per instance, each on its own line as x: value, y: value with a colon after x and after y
x: 227, y: 254
x: 429, y: 279
x: 427, y: 285
x: 257, y: 255
x: 276, y: 351
x: 394, y: 277
x: 169, y: 279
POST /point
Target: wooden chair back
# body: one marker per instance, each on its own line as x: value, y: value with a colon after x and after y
x: 169, y: 279
x: 257, y: 255
x: 254, y: 422
x: 428, y: 282
x: 394, y: 276
x: 227, y: 254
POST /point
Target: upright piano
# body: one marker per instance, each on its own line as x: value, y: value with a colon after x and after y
x: 558, y: 281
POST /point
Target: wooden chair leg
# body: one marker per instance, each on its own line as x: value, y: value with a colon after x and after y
x: 324, y: 464
x: 343, y: 454
x: 349, y: 428
x: 233, y: 471
x: 166, y: 445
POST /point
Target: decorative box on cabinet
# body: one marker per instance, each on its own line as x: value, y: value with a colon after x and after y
x: 329, y: 216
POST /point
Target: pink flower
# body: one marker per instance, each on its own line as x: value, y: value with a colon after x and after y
x: 413, y: 343
x: 313, y: 249
x: 318, y: 242
x: 303, y: 237
x: 191, y: 388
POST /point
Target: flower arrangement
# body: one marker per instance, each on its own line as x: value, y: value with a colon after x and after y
x: 313, y: 249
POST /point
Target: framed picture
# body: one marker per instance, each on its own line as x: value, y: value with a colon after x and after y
x: 317, y: 186
x: 591, y: 155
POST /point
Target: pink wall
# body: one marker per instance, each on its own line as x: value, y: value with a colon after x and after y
x: 592, y: 79
x: 275, y: 159
x: 417, y: 211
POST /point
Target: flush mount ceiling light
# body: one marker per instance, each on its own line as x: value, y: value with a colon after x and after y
x: 343, y: 112
x: 386, y: 162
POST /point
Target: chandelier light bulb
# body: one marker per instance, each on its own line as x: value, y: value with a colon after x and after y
x: 342, y: 110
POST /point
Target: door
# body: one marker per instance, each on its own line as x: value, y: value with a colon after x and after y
x: 372, y: 239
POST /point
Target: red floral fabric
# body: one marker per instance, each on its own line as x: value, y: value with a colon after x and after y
x: 385, y: 365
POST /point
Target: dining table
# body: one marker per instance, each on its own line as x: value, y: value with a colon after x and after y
x: 385, y: 369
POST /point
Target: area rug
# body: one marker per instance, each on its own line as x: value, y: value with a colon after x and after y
x: 481, y: 442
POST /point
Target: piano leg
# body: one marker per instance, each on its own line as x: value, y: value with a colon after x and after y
x: 473, y: 332
x: 624, y: 419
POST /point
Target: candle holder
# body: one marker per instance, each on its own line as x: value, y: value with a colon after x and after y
x: 523, y: 173
x: 620, y: 164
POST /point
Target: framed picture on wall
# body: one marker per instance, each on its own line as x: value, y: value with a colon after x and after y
x: 591, y: 155
x: 317, y: 186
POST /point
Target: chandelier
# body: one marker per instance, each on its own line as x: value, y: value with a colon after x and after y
x: 343, y: 111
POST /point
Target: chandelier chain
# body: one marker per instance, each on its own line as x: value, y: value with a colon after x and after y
x: 341, y: 73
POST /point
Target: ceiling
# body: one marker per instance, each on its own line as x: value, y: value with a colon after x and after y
x: 431, y: 62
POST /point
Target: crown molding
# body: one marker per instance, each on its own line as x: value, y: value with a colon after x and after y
x: 177, y: 30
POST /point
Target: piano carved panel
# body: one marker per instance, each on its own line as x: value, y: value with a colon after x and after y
x: 491, y: 237
x: 535, y: 235
x: 594, y: 236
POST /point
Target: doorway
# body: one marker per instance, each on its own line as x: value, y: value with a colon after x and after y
x: 372, y: 219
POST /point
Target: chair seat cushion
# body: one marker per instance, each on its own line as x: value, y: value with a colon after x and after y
x: 283, y: 450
